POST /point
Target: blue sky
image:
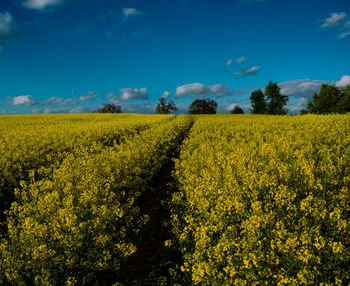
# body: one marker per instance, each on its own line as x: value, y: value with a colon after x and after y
x: 68, y: 56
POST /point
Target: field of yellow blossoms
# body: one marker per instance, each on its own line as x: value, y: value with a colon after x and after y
x: 248, y: 199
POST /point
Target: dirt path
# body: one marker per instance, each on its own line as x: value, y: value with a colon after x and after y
x: 151, y: 263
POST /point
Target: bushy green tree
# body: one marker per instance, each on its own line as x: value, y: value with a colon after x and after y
x: 257, y: 98
x: 110, y: 108
x: 203, y: 106
x: 344, y: 102
x: 275, y: 100
x: 165, y: 108
x: 330, y: 99
x: 237, y: 110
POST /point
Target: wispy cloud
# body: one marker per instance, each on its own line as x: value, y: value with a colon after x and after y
x: 241, y: 60
x: 346, y: 30
x: 90, y: 95
x: 130, y: 12
x: 334, y: 20
x: 229, y: 62
x: 251, y: 71
x: 60, y: 101
x: 27, y: 100
x: 49, y: 110
x: 7, y: 26
x: 41, y: 4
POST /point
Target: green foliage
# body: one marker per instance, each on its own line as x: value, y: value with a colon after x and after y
x: 257, y: 99
x: 110, y: 108
x: 165, y: 108
x: 275, y: 100
x: 203, y: 106
x: 344, y: 102
x: 272, y: 102
x: 330, y: 99
x: 237, y: 110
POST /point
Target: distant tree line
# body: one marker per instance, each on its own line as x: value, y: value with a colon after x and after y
x: 330, y: 99
x: 110, y: 108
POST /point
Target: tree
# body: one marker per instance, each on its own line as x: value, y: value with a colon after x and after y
x: 330, y: 99
x: 110, y: 108
x: 237, y: 110
x: 276, y: 100
x: 257, y: 98
x: 203, y: 106
x: 165, y: 108
x: 344, y: 102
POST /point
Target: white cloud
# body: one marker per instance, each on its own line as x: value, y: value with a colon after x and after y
x: 57, y: 101
x: 301, y: 87
x: 298, y: 105
x: 60, y: 101
x: 54, y: 110
x: 252, y: 70
x: 346, y: 30
x: 41, y: 4
x: 166, y: 94
x: 347, y: 25
x: 113, y: 98
x: 229, y: 62
x: 111, y: 94
x: 201, y: 90
x: 129, y: 12
x: 344, y: 81
x: 193, y: 90
x: 344, y: 34
x: 146, y: 108
x: 27, y: 100
x: 130, y: 93
x: 241, y: 60
x: 7, y: 25
x: 230, y: 107
x: 78, y: 109
x: 220, y: 90
x: 334, y: 20
x: 306, y: 87
x: 88, y: 96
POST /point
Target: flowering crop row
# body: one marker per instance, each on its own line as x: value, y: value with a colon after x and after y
x: 75, y: 226
x: 28, y: 143
x: 264, y: 201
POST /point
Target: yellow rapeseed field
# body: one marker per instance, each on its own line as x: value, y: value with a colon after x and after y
x: 264, y: 200
x: 258, y: 200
